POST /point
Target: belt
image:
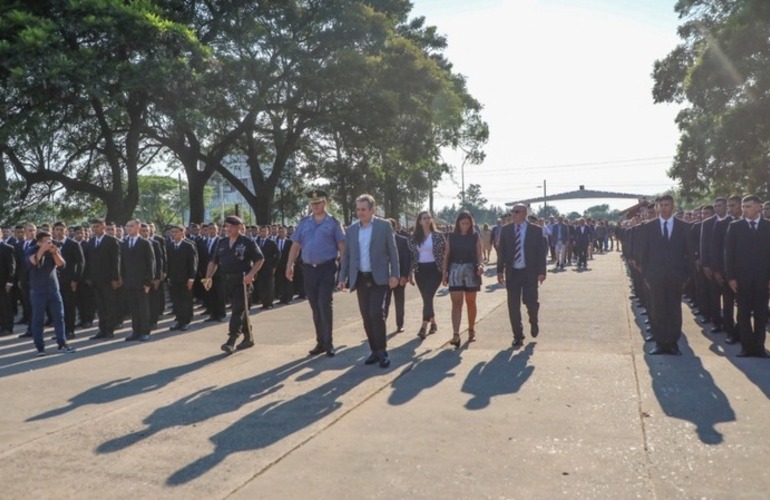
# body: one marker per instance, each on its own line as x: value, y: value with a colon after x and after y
x: 320, y: 264
x: 365, y: 274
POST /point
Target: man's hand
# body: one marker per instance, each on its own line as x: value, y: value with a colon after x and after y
x: 403, y: 281
x: 190, y: 284
x: 708, y: 273
x: 393, y: 282
x: 207, y: 282
x: 74, y: 286
x: 146, y: 289
x: 733, y: 285
x: 341, y: 286
x: 540, y: 278
x: 155, y: 284
x: 290, y: 273
x: 115, y: 284
x: 501, y: 278
x: 248, y: 279
x: 719, y: 278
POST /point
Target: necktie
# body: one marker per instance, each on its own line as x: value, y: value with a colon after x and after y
x: 211, y: 243
x: 753, y: 225
x: 665, y: 229
x: 98, y: 240
x: 280, y: 245
x: 517, y: 245
x: 131, y: 243
x: 176, y: 246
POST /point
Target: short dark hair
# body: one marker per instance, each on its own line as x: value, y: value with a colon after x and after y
x: 42, y: 234
x: 751, y: 198
x: 97, y: 220
x: 666, y: 197
x: 59, y: 224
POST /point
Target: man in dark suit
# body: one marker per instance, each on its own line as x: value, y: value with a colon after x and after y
x: 405, y: 265
x: 747, y: 269
x: 182, y: 268
x: 582, y: 240
x: 717, y: 263
x: 706, y: 244
x: 103, y: 257
x: 521, y: 266
x: 138, y: 272
x: 214, y: 297
x: 664, y: 252
x: 7, y: 277
x: 70, y: 275
x: 86, y: 302
x: 284, y: 288
x: 157, y: 296
x: 22, y: 275
x: 266, y: 276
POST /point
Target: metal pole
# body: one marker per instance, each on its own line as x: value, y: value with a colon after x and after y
x: 545, y: 199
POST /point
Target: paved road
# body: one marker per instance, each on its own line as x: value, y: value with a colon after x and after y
x: 578, y: 413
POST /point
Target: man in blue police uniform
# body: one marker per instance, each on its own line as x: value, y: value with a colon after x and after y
x: 239, y: 259
x: 321, y: 238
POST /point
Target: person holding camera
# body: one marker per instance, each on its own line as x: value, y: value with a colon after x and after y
x: 42, y: 258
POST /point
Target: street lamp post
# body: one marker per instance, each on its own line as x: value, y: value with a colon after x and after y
x: 545, y: 199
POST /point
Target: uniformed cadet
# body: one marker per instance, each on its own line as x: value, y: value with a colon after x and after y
x: 239, y: 259
x: 321, y: 239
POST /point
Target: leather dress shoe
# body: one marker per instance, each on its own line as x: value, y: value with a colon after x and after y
x: 245, y: 344
x: 3, y: 333
x: 25, y: 335
x: 184, y: 328
x: 517, y: 343
x: 227, y: 348
x: 102, y: 335
x: 210, y: 319
x: 70, y: 335
x: 384, y: 361
x: 132, y: 337
x: 731, y: 339
x: 675, y: 351
x: 743, y: 354
x: 371, y: 359
x: 535, y: 330
x: 175, y: 326
x: 716, y: 329
x: 318, y: 349
x: 649, y: 338
x: 144, y: 338
x: 331, y: 351
x: 659, y: 350
x: 646, y: 321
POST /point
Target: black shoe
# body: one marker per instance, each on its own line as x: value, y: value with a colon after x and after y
x: 120, y: 325
x: 743, y: 354
x: 318, y: 349
x: 422, y: 334
x: 400, y: 329
x: 70, y: 335
x: 184, y: 328
x: 535, y: 330
x: 643, y: 313
x: 227, y: 348
x: 133, y: 337
x: 144, y: 338
x: 102, y: 335
x: 371, y: 359
x: 649, y: 338
x: 3, y: 333
x: 384, y: 361
x: 245, y: 344
x: 433, y: 329
x: 675, y: 351
x: 331, y: 351
x: 517, y: 343
x: 659, y: 350
x: 210, y: 319
x: 730, y: 339
x: 25, y: 335
x: 85, y: 324
x: 175, y: 326
x: 266, y: 307
x: 762, y: 354
x: 716, y: 329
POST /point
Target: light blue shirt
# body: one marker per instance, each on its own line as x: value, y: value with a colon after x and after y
x: 364, y: 245
x: 318, y: 240
x: 521, y: 263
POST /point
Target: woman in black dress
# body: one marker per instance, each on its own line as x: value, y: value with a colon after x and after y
x: 463, y: 267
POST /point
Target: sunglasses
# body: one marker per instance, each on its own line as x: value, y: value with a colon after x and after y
x: 517, y: 211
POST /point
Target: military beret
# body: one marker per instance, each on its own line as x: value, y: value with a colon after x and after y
x: 234, y: 220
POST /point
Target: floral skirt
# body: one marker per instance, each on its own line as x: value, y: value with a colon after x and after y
x: 463, y: 278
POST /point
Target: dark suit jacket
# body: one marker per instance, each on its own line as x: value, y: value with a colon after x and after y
x: 534, y: 250
x: 717, y: 254
x: 582, y: 237
x: 137, y: 264
x: 182, y: 262
x: 404, y: 255
x: 74, y: 263
x: 22, y: 273
x: 104, y: 260
x: 283, y: 260
x: 7, y: 264
x: 705, y: 243
x: 161, y: 258
x: 747, y: 252
x: 271, y: 253
x: 662, y: 260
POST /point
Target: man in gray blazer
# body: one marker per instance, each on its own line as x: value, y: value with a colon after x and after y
x: 370, y: 267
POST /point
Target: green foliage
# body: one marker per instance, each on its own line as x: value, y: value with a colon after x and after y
x: 721, y: 70
x: 602, y: 212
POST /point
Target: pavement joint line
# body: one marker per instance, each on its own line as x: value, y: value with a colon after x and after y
x: 640, y: 412
x: 418, y: 360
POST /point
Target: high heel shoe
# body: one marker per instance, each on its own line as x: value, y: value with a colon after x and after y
x: 433, y: 329
x: 422, y: 333
x: 455, y: 340
x: 471, y: 335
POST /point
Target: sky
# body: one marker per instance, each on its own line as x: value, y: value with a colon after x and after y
x: 566, y: 89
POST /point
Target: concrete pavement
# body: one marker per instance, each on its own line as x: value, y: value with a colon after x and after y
x: 579, y: 412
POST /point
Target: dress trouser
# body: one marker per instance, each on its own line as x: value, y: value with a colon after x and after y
x: 182, y: 298
x: 233, y: 283
x: 428, y: 280
x: 752, y: 299
x: 371, y: 304
x: 319, y: 284
x: 665, y: 313
x: 521, y: 288
x: 398, y: 294
x: 138, y: 304
x: 106, y: 307
x: 69, y: 298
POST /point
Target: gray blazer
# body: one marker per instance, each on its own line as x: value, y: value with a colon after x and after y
x: 383, y: 254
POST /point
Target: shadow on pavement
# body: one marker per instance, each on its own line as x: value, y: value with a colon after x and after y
x: 127, y: 387
x: 430, y: 372
x: 687, y: 391
x: 505, y: 373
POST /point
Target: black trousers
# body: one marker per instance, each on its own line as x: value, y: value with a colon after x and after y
x: 371, y: 304
x: 214, y: 298
x: 398, y: 294
x: 521, y: 288
x: 582, y: 256
x: 752, y: 299
x: 26, y: 305
x: 6, y: 310
x: 138, y: 305
x: 157, y: 300
x: 665, y: 312
x: 182, y: 299
x: 428, y: 279
x: 233, y: 284
x: 106, y: 307
x: 86, y: 302
x: 283, y: 287
x: 69, y: 299
x: 319, y: 287
x: 728, y: 310
x: 266, y: 286
x: 714, y: 293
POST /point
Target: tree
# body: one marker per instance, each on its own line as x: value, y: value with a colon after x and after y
x: 721, y: 70
x: 546, y: 211
x: 77, y: 80
x: 602, y: 212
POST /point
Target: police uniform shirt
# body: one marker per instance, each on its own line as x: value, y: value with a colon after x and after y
x: 238, y: 258
x: 319, y: 240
